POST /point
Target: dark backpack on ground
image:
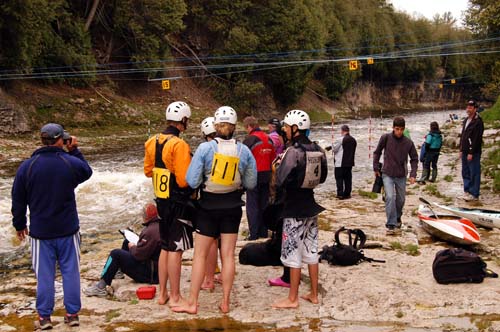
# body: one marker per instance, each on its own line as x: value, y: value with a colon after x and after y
x: 345, y: 255
x: 458, y: 265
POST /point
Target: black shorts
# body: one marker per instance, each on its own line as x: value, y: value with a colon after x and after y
x: 175, y: 235
x: 213, y: 223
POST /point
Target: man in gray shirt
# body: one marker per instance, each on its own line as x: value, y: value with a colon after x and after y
x: 396, y: 149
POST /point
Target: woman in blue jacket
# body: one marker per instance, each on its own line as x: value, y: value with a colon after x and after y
x: 222, y: 169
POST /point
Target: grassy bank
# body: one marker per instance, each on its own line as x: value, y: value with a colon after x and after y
x: 491, y: 118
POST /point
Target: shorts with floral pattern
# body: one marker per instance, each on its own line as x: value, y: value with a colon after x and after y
x: 300, y: 241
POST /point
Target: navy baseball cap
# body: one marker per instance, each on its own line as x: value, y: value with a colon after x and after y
x: 472, y: 103
x: 274, y: 121
x: 52, y: 130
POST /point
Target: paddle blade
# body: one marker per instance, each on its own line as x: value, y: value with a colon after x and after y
x: 426, y: 202
x: 423, y: 200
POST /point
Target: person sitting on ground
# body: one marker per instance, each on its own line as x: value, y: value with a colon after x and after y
x: 138, y: 261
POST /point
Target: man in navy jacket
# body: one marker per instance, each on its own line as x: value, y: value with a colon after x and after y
x: 45, y: 183
x: 471, y: 140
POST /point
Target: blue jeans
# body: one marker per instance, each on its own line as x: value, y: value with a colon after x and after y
x: 395, y: 191
x: 471, y: 173
x: 431, y: 158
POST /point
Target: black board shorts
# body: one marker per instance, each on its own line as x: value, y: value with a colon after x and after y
x: 175, y: 235
x: 213, y: 223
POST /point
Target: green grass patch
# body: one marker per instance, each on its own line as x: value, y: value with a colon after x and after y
x: 112, y: 314
x: 409, y: 249
x: 324, y: 224
x: 491, y: 117
x: 245, y: 233
x: 367, y: 194
x: 134, y: 301
x: 447, y: 199
x: 448, y: 178
x: 319, y: 116
x: 491, y: 168
x: 433, y: 190
x: 396, y: 245
x: 399, y: 314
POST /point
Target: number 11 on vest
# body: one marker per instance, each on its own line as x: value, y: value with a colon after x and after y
x: 224, y: 169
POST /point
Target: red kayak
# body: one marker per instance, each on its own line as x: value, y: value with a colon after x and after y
x: 449, y: 228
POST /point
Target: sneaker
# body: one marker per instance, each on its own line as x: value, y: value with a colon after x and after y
x: 119, y: 275
x: 94, y: 290
x: 465, y: 196
x: 393, y: 231
x: 278, y: 282
x: 45, y: 323
x: 72, y: 320
x: 470, y: 198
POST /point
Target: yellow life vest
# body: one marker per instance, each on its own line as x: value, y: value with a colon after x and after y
x: 224, y: 176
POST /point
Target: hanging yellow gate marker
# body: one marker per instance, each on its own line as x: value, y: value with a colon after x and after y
x: 165, y: 84
x: 353, y: 65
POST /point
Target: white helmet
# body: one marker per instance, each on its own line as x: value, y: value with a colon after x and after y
x: 225, y: 114
x: 177, y: 111
x: 207, y: 126
x: 298, y: 118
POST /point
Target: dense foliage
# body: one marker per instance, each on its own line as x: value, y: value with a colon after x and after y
x: 250, y: 47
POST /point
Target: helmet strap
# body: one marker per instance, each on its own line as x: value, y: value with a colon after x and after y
x: 227, y: 137
x: 294, y: 130
x: 185, y: 122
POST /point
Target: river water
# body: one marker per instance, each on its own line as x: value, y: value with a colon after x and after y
x: 117, y: 190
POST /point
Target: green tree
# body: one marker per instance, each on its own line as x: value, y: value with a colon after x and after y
x: 483, y: 18
x: 43, y: 33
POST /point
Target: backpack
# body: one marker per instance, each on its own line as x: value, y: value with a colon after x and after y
x: 345, y: 255
x: 458, y: 265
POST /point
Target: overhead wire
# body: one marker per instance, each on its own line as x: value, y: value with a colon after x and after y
x: 420, y: 52
x: 261, y: 56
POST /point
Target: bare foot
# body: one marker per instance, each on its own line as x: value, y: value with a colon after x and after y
x: 285, y: 304
x: 218, y: 278
x: 176, y: 302
x: 309, y: 297
x: 163, y: 299
x: 186, y: 307
x: 208, y: 285
x: 224, y: 308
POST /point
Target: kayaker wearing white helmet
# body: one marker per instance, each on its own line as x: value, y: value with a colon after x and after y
x: 222, y: 169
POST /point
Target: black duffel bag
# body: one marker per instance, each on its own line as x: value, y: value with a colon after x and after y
x: 458, y: 265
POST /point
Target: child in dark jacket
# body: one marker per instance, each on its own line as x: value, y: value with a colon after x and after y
x: 139, y: 261
x: 433, y: 143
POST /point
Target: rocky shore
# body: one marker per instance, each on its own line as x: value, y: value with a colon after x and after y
x: 399, y: 295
